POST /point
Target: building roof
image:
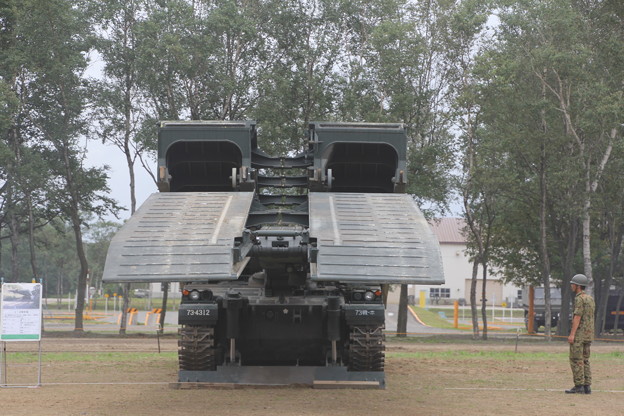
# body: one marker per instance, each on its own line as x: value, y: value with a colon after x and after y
x: 449, y: 230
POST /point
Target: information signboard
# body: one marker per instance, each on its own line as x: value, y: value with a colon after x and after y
x: 20, y: 312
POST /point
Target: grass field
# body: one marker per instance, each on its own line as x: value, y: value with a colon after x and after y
x: 427, y: 376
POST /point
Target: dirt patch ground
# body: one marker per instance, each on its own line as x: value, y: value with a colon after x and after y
x: 103, y: 377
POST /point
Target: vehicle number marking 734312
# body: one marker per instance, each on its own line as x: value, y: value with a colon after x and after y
x: 198, y: 312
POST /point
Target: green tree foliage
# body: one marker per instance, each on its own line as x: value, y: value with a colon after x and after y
x: 550, y: 95
x: 395, y: 71
x: 531, y: 108
x: 47, y: 43
x: 118, y: 101
x: 97, y: 239
x: 57, y: 260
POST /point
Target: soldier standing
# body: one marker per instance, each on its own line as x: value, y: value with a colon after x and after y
x: 581, y: 336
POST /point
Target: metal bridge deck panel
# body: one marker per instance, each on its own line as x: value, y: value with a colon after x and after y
x: 181, y: 236
x: 378, y: 238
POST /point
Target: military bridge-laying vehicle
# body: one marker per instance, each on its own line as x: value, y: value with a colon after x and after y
x: 280, y: 259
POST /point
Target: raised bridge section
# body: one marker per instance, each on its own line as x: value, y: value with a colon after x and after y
x: 181, y: 236
x: 380, y: 238
x: 368, y: 238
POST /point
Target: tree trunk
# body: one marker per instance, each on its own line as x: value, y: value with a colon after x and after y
x: 124, y: 309
x: 568, y: 254
x: 547, y: 308
x: 484, y: 302
x: 473, y: 301
x: 130, y: 163
x: 163, y: 314
x: 31, y: 243
x: 126, y: 287
x: 31, y: 238
x: 11, y: 201
x: 84, y: 269
x: 545, y: 260
x: 616, y: 235
x: 128, y: 84
x: 385, y: 288
x: 402, y: 315
x: 601, y: 298
x: 59, y: 291
x: 587, y: 264
x: 14, y: 239
x: 76, y: 222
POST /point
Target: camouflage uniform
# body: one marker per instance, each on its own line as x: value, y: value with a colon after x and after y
x: 580, y: 350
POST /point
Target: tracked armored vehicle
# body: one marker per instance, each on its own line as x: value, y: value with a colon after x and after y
x: 280, y: 259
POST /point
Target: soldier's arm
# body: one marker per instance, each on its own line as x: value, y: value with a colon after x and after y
x: 575, y: 324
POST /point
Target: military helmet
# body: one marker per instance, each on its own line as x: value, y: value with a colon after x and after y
x: 580, y: 279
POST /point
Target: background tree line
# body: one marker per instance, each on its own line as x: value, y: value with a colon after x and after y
x: 513, y: 108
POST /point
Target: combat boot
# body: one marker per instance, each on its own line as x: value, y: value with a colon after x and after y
x: 587, y: 389
x: 576, y: 390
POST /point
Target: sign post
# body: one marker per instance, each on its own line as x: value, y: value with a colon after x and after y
x: 20, y: 319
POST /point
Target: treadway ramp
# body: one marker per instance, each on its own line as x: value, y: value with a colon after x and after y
x: 181, y: 236
x: 380, y: 238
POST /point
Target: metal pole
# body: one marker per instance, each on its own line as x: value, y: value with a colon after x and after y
x: 39, y: 372
x: 43, y: 304
x: 4, y: 364
x: 158, y: 337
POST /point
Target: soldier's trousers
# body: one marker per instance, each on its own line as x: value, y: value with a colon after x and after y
x: 579, y: 361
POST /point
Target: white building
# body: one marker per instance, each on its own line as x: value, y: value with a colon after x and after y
x: 458, y: 271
